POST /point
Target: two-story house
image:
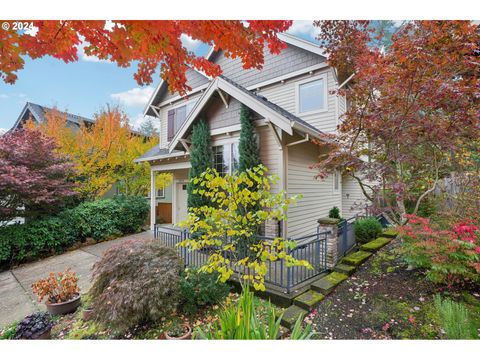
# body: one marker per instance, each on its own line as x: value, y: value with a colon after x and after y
x: 293, y: 104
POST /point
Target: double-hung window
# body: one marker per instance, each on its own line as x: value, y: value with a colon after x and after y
x: 176, y: 118
x: 312, y: 95
x: 226, y: 158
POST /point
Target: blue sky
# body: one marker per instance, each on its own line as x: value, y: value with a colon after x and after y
x: 84, y: 87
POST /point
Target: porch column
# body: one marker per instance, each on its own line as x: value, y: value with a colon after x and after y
x: 153, y: 193
x: 330, y: 225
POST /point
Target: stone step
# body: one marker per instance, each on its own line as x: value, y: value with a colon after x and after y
x: 390, y: 233
x: 376, y: 244
x: 344, y: 269
x: 291, y: 315
x: 308, y: 300
x: 326, y: 284
x: 356, y: 258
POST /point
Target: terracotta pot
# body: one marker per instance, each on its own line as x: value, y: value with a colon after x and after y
x: 186, y: 336
x: 63, y: 308
x: 87, y: 314
x: 46, y: 335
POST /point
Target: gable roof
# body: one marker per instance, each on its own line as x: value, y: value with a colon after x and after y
x: 39, y: 112
x: 270, y: 111
x: 285, y: 37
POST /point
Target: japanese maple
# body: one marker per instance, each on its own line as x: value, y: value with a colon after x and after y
x: 449, y: 256
x: 149, y: 43
x: 34, y: 178
x: 412, y: 107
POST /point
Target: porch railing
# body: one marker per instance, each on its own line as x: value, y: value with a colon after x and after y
x: 312, y: 248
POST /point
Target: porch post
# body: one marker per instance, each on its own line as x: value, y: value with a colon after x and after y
x: 153, y: 193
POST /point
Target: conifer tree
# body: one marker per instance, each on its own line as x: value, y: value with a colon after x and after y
x: 248, y: 146
x: 201, y: 159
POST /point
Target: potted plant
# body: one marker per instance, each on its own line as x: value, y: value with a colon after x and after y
x: 178, y: 331
x: 34, y: 327
x: 60, y: 290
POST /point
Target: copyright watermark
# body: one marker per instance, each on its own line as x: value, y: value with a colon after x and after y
x: 17, y: 25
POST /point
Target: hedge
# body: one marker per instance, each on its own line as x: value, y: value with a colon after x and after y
x: 100, y: 219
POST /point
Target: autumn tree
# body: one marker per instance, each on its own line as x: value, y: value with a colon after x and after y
x: 411, y: 107
x: 150, y: 44
x: 34, y: 179
x: 103, y: 152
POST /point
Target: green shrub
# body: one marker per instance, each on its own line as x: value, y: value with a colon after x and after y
x: 454, y: 319
x: 367, y: 229
x: 199, y: 289
x: 334, y: 213
x: 100, y: 219
x: 135, y: 283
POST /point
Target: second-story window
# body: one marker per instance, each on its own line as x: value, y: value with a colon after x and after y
x: 176, y: 118
x: 311, y: 96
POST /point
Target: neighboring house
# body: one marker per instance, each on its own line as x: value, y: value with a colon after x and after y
x: 37, y: 113
x: 292, y: 104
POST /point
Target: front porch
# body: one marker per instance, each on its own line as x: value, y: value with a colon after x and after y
x: 177, y: 211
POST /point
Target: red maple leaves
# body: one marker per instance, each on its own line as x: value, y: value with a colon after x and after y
x: 148, y: 43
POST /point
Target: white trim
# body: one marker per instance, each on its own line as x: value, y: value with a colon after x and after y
x: 324, y: 78
x: 152, y: 97
x: 221, y: 142
x: 153, y: 200
x: 302, y: 44
x: 337, y: 174
x: 178, y: 97
x: 173, y: 166
x: 280, y: 121
x: 164, y: 156
x: 304, y: 140
x: 174, y: 198
x: 225, y: 130
x: 288, y: 76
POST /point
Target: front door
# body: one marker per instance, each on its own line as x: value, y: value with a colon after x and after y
x: 181, y: 202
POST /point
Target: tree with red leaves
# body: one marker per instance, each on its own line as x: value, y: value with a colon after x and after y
x: 413, y: 107
x: 34, y: 179
x: 150, y: 43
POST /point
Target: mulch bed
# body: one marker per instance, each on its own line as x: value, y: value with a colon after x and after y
x: 383, y: 299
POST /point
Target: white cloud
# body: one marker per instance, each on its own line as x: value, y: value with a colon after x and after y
x: 4, y: 96
x: 303, y: 28
x: 134, y: 97
x: 190, y: 43
x: 3, y: 131
x: 139, y: 119
x: 90, y: 58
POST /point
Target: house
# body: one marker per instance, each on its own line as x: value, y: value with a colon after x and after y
x: 292, y: 103
x: 38, y: 113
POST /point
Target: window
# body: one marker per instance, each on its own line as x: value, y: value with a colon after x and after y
x: 336, y: 181
x: 176, y: 118
x: 226, y: 158
x: 311, y: 96
x: 161, y: 193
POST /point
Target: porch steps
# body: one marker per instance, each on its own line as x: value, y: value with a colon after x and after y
x: 326, y: 284
x: 390, y: 233
x: 375, y: 245
x: 356, y: 258
x: 291, y: 315
x: 308, y: 300
x: 344, y: 269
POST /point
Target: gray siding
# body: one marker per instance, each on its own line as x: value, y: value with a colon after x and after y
x: 353, y: 200
x: 194, y: 79
x: 218, y: 116
x: 318, y: 195
x: 289, y: 60
x: 285, y: 95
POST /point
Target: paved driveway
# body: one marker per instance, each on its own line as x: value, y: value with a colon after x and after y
x: 16, y: 297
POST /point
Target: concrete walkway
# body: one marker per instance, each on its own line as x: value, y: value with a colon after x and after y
x: 16, y: 297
